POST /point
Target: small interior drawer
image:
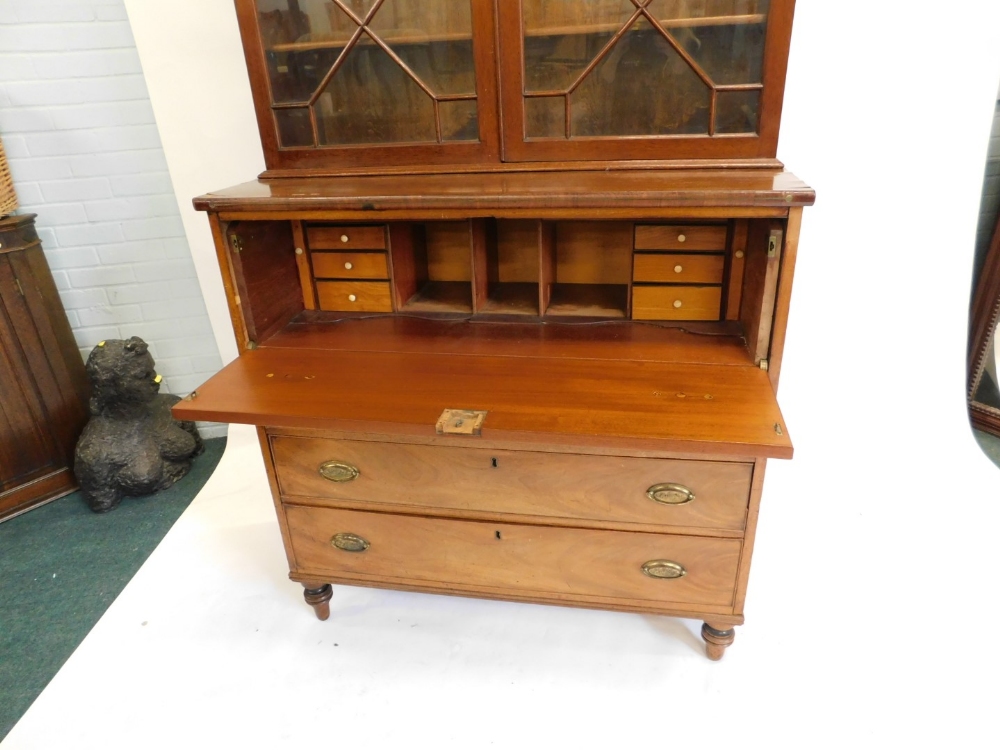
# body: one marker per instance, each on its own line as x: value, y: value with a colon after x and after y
x: 360, y: 296
x: 675, y: 268
x: 345, y: 237
x: 676, y: 302
x: 350, y: 266
x: 686, y: 237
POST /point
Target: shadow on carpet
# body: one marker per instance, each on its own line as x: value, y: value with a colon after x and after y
x: 61, y: 566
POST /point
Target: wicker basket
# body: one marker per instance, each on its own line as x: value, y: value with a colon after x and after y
x: 8, y: 198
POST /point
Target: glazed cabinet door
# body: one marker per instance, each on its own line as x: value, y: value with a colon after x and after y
x: 642, y: 79
x: 374, y: 83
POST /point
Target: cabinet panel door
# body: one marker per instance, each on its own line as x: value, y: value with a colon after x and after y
x: 642, y: 79
x: 340, y: 84
x: 27, y: 447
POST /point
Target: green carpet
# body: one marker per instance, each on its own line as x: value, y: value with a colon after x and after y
x: 61, y: 566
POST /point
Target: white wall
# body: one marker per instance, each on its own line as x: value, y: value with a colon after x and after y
x: 876, y: 551
x: 85, y: 155
x: 197, y: 79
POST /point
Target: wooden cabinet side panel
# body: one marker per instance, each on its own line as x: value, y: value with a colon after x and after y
x: 55, y: 359
x: 26, y: 447
x: 229, y: 280
x: 784, y: 298
x: 279, y: 509
x: 753, y: 510
x: 267, y: 275
x: 759, y: 289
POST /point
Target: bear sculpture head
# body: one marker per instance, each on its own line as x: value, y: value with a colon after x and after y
x: 122, y: 376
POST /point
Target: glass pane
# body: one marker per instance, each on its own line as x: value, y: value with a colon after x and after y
x: 561, y: 37
x: 725, y: 37
x: 294, y: 127
x: 295, y: 75
x: 374, y: 96
x: 545, y: 117
x: 642, y: 87
x: 434, y: 39
x: 302, y: 40
x: 737, y: 112
x: 371, y: 99
x: 459, y: 121
x: 423, y: 20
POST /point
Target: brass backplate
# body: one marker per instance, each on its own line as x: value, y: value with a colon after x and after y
x: 461, y: 422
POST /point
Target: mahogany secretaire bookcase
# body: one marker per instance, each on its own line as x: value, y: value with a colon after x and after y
x: 511, y: 295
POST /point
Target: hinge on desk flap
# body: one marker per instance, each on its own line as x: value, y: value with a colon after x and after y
x: 764, y: 365
x: 236, y: 242
x: 773, y: 243
x: 461, y: 422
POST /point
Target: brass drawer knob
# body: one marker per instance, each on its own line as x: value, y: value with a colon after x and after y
x: 663, y: 570
x: 349, y: 542
x: 337, y: 471
x: 670, y: 493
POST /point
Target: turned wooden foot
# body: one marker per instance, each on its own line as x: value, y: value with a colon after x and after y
x: 716, y: 640
x: 319, y: 599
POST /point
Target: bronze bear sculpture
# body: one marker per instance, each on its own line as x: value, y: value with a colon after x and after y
x: 131, y: 446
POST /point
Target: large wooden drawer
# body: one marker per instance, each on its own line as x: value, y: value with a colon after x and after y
x: 518, y: 558
x: 572, y: 486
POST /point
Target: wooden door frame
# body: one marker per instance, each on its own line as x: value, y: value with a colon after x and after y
x: 516, y: 147
x: 328, y: 159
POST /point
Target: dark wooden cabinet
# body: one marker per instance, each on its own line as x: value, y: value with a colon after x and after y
x: 43, y: 384
x: 341, y: 85
x: 611, y: 80
x: 538, y: 364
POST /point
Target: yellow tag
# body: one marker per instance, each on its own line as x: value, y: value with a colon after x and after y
x: 101, y: 343
x: 158, y: 378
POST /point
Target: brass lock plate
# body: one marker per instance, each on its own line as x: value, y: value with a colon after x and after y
x: 461, y: 422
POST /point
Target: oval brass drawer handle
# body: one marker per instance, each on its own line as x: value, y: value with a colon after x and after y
x: 670, y: 493
x: 337, y: 471
x: 664, y: 569
x: 349, y: 542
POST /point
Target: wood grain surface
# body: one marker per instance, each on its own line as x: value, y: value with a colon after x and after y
x: 345, y: 237
x: 493, y: 191
x: 695, y: 408
x: 676, y: 268
x: 668, y: 302
x: 716, y: 344
x: 362, y: 266
x: 681, y: 237
x: 368, y: 296
x: 518, y: 557
x: 596, y: 488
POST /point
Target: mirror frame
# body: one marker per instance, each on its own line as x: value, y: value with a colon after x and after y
x: 984, y: 315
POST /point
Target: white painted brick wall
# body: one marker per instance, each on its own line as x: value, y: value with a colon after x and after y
x: 85, y: 155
